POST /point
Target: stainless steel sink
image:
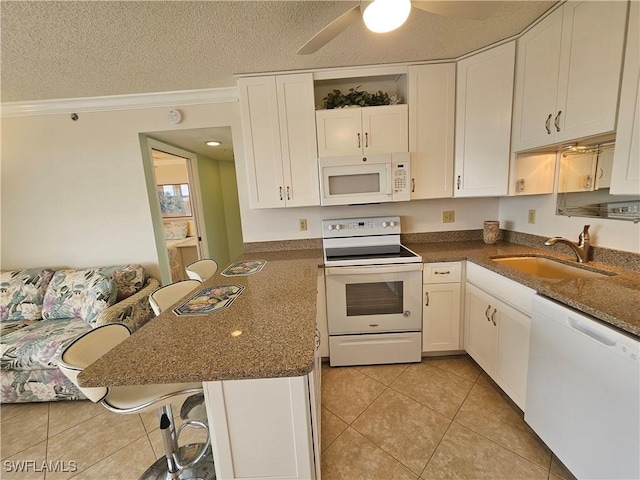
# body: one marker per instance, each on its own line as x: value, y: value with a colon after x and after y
x: 547, y: 268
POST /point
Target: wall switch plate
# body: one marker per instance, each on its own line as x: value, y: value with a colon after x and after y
x: 448, y: 216
x: 532, y: 216
x: 302, y: 224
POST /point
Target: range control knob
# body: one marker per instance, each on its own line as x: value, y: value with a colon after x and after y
x: 338, y: 227
x: 330, y: 227
x: 392, y: 224
x: 385, y: 224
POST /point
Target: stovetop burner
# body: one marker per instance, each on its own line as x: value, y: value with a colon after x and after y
x: 365, y: 241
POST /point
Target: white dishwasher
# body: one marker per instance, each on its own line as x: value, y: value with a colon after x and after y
x: 583, y: 392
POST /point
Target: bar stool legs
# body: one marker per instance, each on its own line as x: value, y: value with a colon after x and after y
x: 192, y: 461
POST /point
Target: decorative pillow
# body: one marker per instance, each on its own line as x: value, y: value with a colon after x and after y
x: 129, y: 279
x: 78, y: 294
x: 22, y: 293
x: 175, y: 230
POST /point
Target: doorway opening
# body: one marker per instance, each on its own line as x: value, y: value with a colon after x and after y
x: 198, y: 186
x: 180, y: 219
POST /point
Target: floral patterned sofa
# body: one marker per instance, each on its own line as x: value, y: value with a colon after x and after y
x: 42, y: 310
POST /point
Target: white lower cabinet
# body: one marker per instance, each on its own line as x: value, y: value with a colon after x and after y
x: 266, y: 428
x: 441, y: 307
x: 496, y: 333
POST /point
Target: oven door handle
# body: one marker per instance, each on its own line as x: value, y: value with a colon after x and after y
x: 373, y: 269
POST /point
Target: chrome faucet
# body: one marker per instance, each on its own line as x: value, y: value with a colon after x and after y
x: 581, y: 249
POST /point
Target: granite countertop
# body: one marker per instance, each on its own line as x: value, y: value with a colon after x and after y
x: 614, y: 300
x: 276, y: 314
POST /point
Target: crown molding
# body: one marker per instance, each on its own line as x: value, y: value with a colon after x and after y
x: 119, y: 102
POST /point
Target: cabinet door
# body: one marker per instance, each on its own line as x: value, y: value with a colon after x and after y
x: 385, y: 129
x: 431, y: 129
x: 262, y: 428
x: 603, y: 169
x: 592, y: 45
x: 297, y: 120
x: 261, y: 132
x: 625, y: 175
x: 512, y: 351
x: 483, y: 122
x: 577, y: 172
x: 536, y: 83
x: 339, y: 132
x: 480, y: 333
x: 441, y: 317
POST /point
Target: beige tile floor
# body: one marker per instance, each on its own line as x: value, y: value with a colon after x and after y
x: 442, y: 418
x: 439, y: 419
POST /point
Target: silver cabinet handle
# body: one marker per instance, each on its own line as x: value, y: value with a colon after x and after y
x: 458, y: 182
x: 359, y: 141
x: 547, y: 124
x: 413, y: 185
x: 556, y: 122
x: 486, y: 313
x: 427, y: 295
x: 442, y: 273
x: 281, y: 193
x: 601, y: 173
x: 493, y: 315
x: 288, y: 196
x: 366, y: 139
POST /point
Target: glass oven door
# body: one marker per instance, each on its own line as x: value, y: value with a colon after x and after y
x: 372, y: 299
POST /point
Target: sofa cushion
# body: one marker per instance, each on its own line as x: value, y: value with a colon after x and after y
x: 40, y: 344
x: 129, y: 279
x: 22, y: 293
x: 175, y: 230
x: 78, y: 293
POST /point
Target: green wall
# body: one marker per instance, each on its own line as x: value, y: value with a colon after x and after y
x: 231, y: 207
x: 219, y: 195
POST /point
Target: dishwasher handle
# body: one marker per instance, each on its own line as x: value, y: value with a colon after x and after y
x: 591, y: 332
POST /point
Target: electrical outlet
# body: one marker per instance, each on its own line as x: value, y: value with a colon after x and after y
x: 448, y: 216
x: 532, y: 216
x: 302, y: 224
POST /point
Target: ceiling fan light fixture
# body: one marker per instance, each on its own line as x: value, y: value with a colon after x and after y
x: 382, y: 16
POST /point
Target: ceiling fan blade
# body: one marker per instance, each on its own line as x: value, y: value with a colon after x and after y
x: 473, y: 10
x: 330, y: 32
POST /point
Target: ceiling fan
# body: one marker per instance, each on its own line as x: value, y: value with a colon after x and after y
x: 386, y: 15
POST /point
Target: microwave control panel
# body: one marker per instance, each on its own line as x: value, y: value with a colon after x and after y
x: 401, y: 181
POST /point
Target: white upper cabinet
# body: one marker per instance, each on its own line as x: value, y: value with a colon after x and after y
x: 568, y: 73
x: 431, y: 129
x: 278, y: 124
x: 362, y: 130
x: 483, y: 122
x: 625, y: 176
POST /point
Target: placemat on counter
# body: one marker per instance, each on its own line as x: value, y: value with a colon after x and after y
x: 246, y: 267
x: 209, y: 300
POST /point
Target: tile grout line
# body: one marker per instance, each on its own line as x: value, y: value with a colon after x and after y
x: 389, y: 387
x: 449, y: 426
x: 46, y: 441
x: 493, y: 441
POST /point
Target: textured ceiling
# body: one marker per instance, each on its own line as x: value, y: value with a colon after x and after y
x: 69, y: 49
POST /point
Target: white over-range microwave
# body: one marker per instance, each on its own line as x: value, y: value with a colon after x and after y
x: 358, y: 179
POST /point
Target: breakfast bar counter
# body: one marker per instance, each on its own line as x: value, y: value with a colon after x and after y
x: 267, y: 331
x: 257, y: 358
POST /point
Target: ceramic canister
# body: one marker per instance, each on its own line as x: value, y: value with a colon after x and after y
x: 491, y: 231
